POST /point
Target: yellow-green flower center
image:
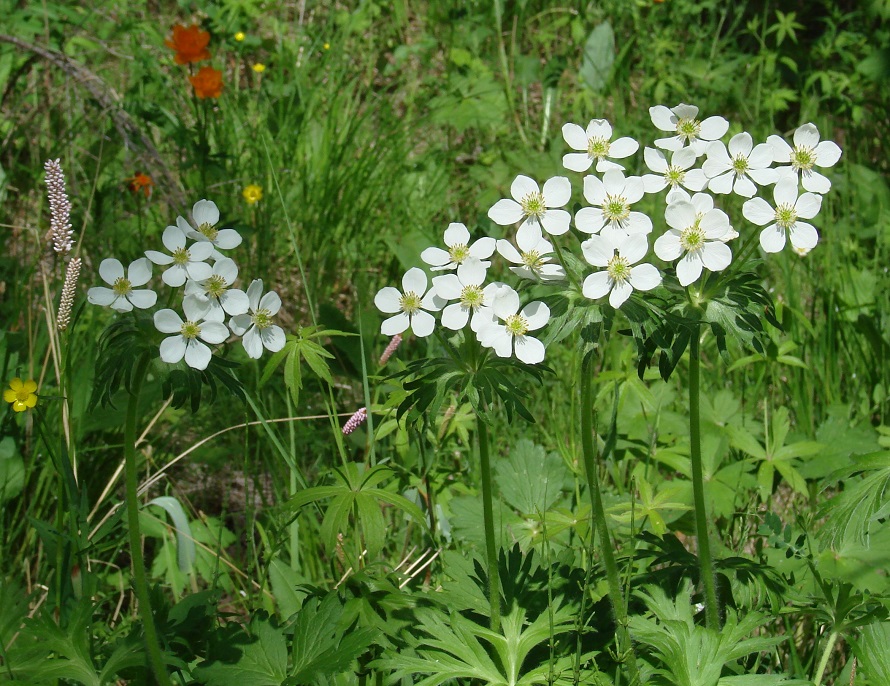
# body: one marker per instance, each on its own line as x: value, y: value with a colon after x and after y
x: 692, y: 238
x: 516, y: 325
x: 618, y: 269
x: 190, y: 330
x: 181, y: 256
x: 459, y: 252
x: 688, y: 129
x: 122, y: 286
x: 216, y: 286
x: 533, y: 260
x: 471, y: 297
x: 22, y: 394
x: 598, y: 148
x: 740, y: 165
x: 262, y: 318
x: 803, y: 158
x: 410, y: 302
x: 616, y: 208
x: 786, y: 216
x: 674, y: 175
x: 208, y: 231
x: 533, y: 205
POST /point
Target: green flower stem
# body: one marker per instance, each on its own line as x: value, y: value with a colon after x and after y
x: 494, y: 579
x: 155, y: 657
x: 706, y: 562
x: 823, y: 662
x: 616, y: 593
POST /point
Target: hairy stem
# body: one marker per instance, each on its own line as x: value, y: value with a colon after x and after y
x: 706, y: 562
x: 601, y: 526
x: 155, y: 657
x: 494, y: 579
x: 823, y: 662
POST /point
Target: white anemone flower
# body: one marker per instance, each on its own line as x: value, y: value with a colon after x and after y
x: 206, y: 216
x: 784, y: 217
x: 532, y: 258
x: 612, y: 199
x: 698, y: 238
x: 507, y: 331
x: 256, y: 327
x: 216, y: 293
x: 536, y: 209
x: 187, y: 263
x: 806, y: 153
x: 122, y: 297
x: 411, y: 306
x: 740, y: 167
x: 466, y: 287
x: 457, y: 239
x: 673, y: 174
x: 616, y: 254
x: 596, y: 144
x: 189, y: 334
x: 681, y: 121
x: 703, y: 204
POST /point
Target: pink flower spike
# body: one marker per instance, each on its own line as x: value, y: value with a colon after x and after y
x: 355, y: 421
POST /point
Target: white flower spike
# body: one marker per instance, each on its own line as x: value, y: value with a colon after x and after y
x: 411, y: 307
x: 215, y: 293
x: 511, y: 333
x: 122, y: 297
x: 616, y: 254
x: 596, y: 145
x: 206, y: 216
x: 807, y: 153
x: 740, y: 167
x: 536, y: 209
x: 186, y: 263
x: 532, y: 258
x: 186, y: 342
x: 612, y: 200
x: 685, y: 128
x: 457, y: 239
x: 784, y: 217
x: 255, y: 326
x: 698, y: 238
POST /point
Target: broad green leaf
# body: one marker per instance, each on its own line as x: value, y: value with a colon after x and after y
x: 262, y: 662
x: 599, y: 56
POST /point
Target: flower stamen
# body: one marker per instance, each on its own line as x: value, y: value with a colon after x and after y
x: 216, y: 286
x: 410, y: 302
x: 533, y: 205
x: 618, y: 269
x: 616, y: 208
x: 786, y: 216
x: 262, y: 318
x: 459, y: 252
x: 471, y: 297
x: 190, y: 330
x: 687, y: 129
x: 598, y: 148
x: 122, y: 286
x: 516, y: 325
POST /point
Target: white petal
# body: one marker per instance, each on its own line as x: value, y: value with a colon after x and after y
x: 667, y: 246
x: 99, y: 295
x: 644, y: 277
x: 457, y: 234
x: 759, y: 211
x: 663, y: 118
x: 273, y: 338
x: 772, y: 239
x: 575, y: 137
x: 158, y: 257
x: 745, y: 187
x: 557, y: 191
x: 505, y: 302
x: 167, y: 321
x: 596, y: 285
x: 422, y: 323
x: 483, y: 248
x: 455, y: 316
x: 577, y: 161
x: 716, y: 256
x: 272, y: 301
x: 227, y: 269
x: 764, y: 176
x: 501, y: 342
x: 671, y: 143
x: 713, y: 128
x: 111, y: 270
x: 614, y: 182
x: 195, y: 309
x: 173, y: 238
x: 121, y: 304
x: 680, y: 215
x: 523, y: 186
x: 239, y: 324
x: 197, y: 355
x: 396, y: 324
x: 205, y: 212
x: 590, y: 219
x: 199, y: 271
x: 253, y: 343
x: 139, y: 272
x: 654, y: 183
x: 806, y: 136
x: 435, y: 257
x: 173, y: 349
x: 537, y: 314
x: 623, y: 147
x: 505, y: 212
x: 235, y: 302
x: 529, y: 350
x: 637, y: 222
x: 508, y: 251
x: 620, y: 293
x: 688, y: 269
x: 740, y: 143
x: 827, y: 153
x: 414, y: 281
x: 214, y: 332
x: 597, y: 250
x: 634, y: 189
x: 594, y: 191
x: 808, y: 205
x: 715, y: 224
x: 388, y: 300
x: 761, y: 156
x: 634, y: 248
x: 143, y: 298
x: 255, y: 291
x: 815, y: 182
x: 198, y: 252
x: 804, y: 236
x: 227, y: 239
x: 556, y: 222
x: 781, y: 150
x: 448, y: 287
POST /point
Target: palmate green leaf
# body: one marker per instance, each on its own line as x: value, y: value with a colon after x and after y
x: 260, y: 659
x: 531, y: 495
x: 871, y: 649
x: 299, y: 348
x: 852, y: 514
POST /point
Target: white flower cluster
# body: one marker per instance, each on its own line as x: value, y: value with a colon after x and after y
x: 208, y: 294
x: 696, y: 236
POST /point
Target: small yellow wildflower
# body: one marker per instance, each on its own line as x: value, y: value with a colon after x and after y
x: 259, y: 67
x: 239, y: 36
x: 21, y: 394
x: 327, y: 46
x: 252, y: 194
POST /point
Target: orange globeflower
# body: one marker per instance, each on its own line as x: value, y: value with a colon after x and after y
x: 207, y: 83
x: 141, y: 182
x: 189, y: 43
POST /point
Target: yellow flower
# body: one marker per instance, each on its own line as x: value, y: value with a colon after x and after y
x: 327, y: 46
x: 259, y: 67
x: 252, y: 194
x: 239, y: 36
x: 21, y: 394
